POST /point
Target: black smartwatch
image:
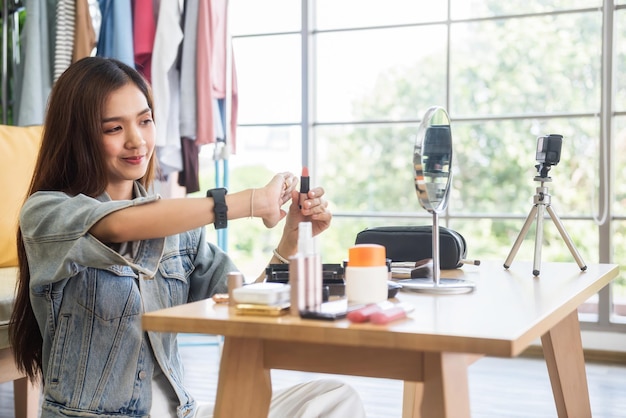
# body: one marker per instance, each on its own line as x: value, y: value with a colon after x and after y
x: 219, y: 207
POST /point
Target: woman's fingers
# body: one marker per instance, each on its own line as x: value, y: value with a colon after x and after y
x: 290, y: 181
x: 315, y: 203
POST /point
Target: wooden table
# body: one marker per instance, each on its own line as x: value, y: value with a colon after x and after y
x: 430, y: 351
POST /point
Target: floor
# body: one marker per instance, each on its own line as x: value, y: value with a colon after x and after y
x: 499, y: 388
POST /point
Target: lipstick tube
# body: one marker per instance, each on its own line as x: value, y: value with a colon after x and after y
x: 304, y: 186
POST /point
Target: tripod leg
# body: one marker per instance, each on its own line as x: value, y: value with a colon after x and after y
x: 566, y: 238
x: 520, y: 237
x: 538, y: 241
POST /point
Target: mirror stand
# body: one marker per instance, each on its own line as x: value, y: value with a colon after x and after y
x: 436, y: 284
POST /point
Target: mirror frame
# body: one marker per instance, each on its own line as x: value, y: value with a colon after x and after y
x: 435, y: 116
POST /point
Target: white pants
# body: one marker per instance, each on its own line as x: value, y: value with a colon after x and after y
x: 319, y: 398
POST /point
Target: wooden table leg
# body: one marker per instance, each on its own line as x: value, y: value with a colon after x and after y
x: 412, y: 399
x: 563, y: 351
x: 444, y: 392
x: 244, y: 388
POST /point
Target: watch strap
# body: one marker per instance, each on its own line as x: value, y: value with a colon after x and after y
x: 220, y: 209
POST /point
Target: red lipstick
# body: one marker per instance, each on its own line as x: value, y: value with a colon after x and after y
x: 304, y: 186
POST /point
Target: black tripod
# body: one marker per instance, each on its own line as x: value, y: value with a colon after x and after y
x: 541, y: 201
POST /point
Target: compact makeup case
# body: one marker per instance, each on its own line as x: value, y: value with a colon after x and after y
x: 415, y: 243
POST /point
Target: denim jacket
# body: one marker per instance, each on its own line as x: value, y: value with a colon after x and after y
x: 88, y: 300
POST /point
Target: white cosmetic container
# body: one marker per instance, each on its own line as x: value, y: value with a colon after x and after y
x: 366, y: 274
x: 262, y: 293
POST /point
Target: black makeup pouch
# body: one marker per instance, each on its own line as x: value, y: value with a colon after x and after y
x: 414, y: 243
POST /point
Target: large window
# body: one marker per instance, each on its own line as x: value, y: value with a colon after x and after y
x: 340, y: 86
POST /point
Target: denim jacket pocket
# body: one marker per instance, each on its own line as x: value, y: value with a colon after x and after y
x: 110, y: 296
x: 57, y: 359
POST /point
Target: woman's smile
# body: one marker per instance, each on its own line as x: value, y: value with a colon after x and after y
x: 134, y: 160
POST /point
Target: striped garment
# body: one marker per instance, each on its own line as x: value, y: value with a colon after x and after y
x: 64, y: 43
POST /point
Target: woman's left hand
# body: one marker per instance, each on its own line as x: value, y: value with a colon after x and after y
x: 314, y: 209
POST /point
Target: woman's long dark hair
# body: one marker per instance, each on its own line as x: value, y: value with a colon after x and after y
x: 70, y: 160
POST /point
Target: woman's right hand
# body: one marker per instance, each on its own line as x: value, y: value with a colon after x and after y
x: 270, y: 199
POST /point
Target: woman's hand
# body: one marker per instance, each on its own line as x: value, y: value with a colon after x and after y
x: 314, y: 210
x: 268, y: 201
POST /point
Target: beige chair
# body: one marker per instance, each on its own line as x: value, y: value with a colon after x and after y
x: 18, y: 152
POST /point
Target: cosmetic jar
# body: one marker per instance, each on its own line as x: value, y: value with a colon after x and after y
x: 366, y: 274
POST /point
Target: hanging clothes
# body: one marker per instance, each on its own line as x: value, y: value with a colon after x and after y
x: 55, y: 34
x: 75, y: 35
x: 189, y: 176
x: 188, y: 67
x: 64, y: 43
x: 212, y: 67
x: 166, y: 86
x: 115, y: 31
x: 34, y: 76
x: 144, y: 32
x: 188, y: 77
x: 85, y: 39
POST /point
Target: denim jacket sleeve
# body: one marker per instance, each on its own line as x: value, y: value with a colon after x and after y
x: 55, y: 229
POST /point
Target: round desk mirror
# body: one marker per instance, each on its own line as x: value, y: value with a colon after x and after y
x: 432, y: 163
x: 432, y: 160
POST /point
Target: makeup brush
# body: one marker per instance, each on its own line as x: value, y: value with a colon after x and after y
x: 412, y: 269
x: 423, y: 268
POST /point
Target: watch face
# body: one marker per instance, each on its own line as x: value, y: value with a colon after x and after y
x: 217, y: 191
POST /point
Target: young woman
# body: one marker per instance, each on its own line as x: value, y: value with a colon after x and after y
x: 96, y: 250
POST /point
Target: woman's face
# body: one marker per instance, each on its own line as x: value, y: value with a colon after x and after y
x: 128, y: 134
